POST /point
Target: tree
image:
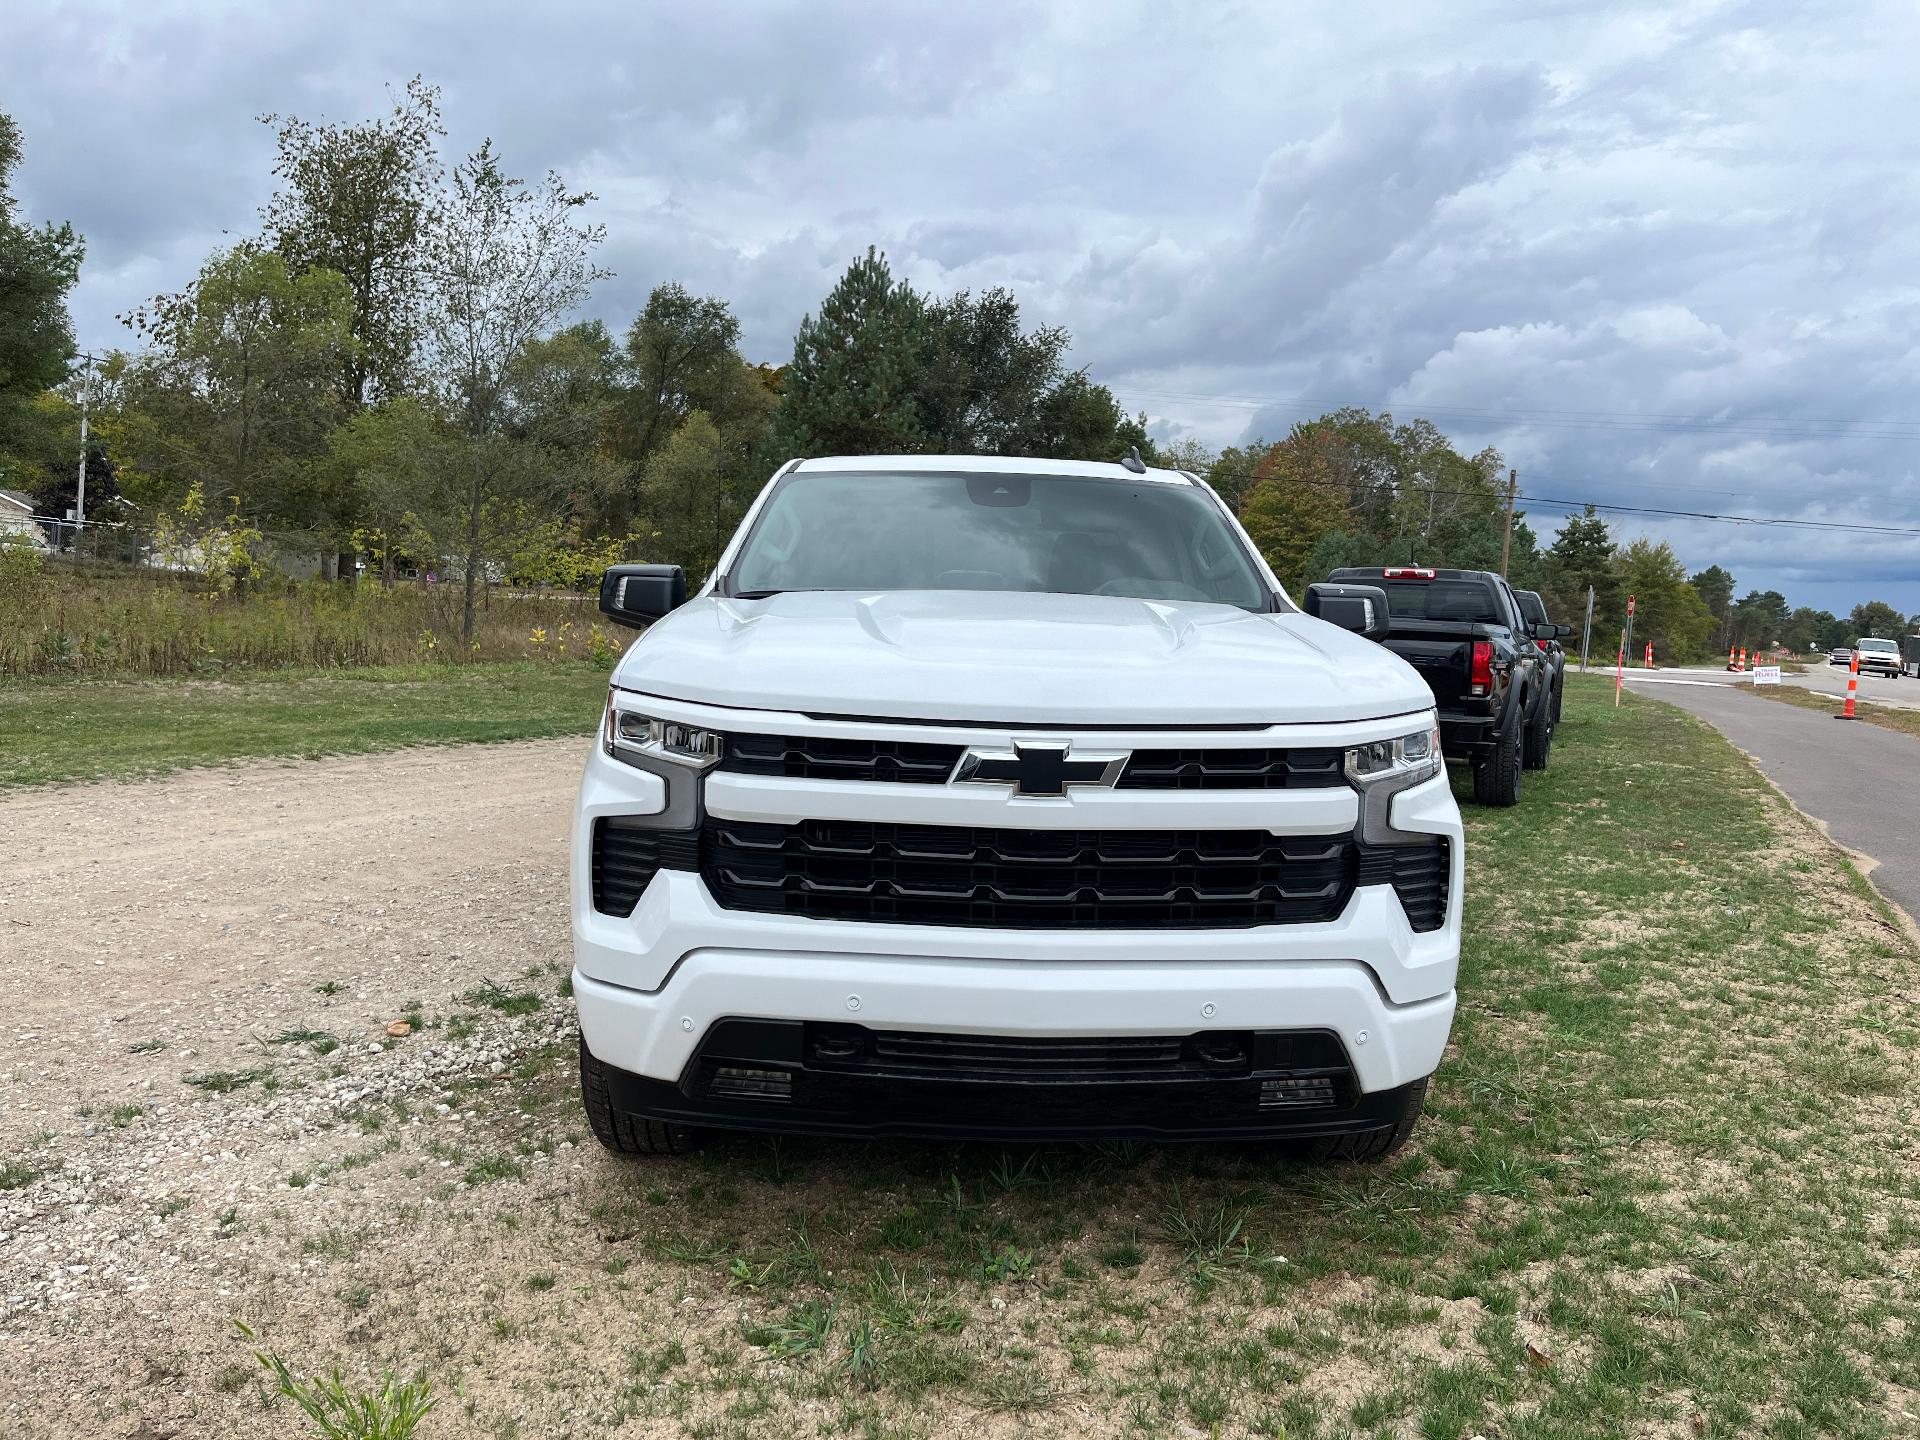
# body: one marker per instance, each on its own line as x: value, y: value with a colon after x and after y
x: 852, y: 387
x: 357, y: 199
x: 1715, y: 588
x: 38, y: 266
x: 1809, y: 629
x: 506, y: 262
x: 1668, y: 612
x: 1080, y: 420
x: 691, y: 495
x: 680, y: 357
x: 238, y: 392
x: 1759, y: 620
x: 981, y: 380
x: 1295, y: 501
x: 1582, y: 557
x: 1875, y: 619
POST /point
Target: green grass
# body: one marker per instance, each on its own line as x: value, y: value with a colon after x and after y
x: 1665, y: 1184
x: 88, y: 729
x: 1887, y: 717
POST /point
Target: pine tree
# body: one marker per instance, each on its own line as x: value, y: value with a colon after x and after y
x: 1582, y: 555
x: 851, y: 389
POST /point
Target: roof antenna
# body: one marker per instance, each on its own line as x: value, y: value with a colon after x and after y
x: 1134, y: 463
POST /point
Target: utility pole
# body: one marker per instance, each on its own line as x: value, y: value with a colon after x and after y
x: 1506, y: 542
x: 80, y: 488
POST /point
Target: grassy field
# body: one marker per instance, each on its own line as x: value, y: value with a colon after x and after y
x: 1666, y: 1186
x: 61, y: 621
x: 1667, y: 1183
x: 78, y: 730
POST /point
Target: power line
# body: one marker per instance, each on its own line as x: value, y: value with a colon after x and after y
x: 1490, y: 497
x: 1805, y: 428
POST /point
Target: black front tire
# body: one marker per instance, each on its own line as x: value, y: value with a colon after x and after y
x: 628, y: 1134
x: 1370, y: 1146
x: 1496, y: 780
x: 1540, y: 738
x: 1559, y: 690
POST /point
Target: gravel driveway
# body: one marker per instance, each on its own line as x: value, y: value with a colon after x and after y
x: 203, y: 1116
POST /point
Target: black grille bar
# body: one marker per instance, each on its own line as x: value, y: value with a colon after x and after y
x: 1027, y: 879
x: 1418, y: 874
x: 914, y: 762
x: 1233, y: 770
x: 819, y: 757
x: 626, y: 856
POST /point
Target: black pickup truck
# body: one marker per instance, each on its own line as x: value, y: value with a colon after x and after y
x: 1464, y: 632
x: 1534, y: 610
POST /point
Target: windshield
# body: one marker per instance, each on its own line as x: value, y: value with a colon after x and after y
x: 1884, y: 646
x: 1060, y: 533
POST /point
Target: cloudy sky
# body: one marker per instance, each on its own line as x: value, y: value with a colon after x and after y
x: 1663, y: 255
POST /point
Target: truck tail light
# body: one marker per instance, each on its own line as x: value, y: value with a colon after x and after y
x: 1406, y: 572
x: 1480, y: 676
x: 1541, y: 646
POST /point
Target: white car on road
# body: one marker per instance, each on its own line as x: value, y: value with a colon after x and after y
x: 1009, y: 798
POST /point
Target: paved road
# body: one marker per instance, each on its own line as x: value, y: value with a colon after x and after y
x: 1856, y: 777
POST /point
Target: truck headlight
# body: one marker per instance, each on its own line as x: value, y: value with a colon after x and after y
x: 1405, y: 760
x: 628, y: 733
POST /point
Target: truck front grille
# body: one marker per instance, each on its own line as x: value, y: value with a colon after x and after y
x: 1027, y: 879
x: 913, y: 762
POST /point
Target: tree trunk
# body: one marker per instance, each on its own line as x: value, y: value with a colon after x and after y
x: 472, y: 577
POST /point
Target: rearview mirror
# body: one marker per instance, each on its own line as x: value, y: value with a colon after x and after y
x: 1547, y: 630
x: 638, y: 595
x: 1359, y: 608
x: 1561, y: 632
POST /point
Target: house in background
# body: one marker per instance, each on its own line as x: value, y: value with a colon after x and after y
x: 16, y: 519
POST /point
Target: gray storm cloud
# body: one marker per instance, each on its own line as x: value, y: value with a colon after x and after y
x: 1662, y: 255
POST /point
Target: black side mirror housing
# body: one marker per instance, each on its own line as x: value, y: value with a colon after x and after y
x: 1547, y: 630
x: 1359, y: 608
x: 1561, y: 632
x: 638, y: 595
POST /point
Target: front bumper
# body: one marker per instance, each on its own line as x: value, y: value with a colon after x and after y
x: 653, y: 986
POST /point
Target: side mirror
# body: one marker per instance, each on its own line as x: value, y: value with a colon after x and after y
x: 1561, y: 632
x: 1547, y: 630
x: 637, y: 595
x: 1359, y: 608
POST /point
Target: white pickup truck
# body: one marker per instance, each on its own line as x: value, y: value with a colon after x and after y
x: 1879, y: 657
x: 1009, y: 798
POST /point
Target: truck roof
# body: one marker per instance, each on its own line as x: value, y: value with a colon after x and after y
x: 987, y: 465
x: 1413, y: 572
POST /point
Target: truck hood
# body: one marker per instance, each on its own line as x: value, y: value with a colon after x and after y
x: 1018, y: 658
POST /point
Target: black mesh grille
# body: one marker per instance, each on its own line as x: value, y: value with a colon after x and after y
x: 1418, y: 874
x: 626, y: 855
x: 1232, y: 770
x: 1029, y: 879
x: 815, y: 757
